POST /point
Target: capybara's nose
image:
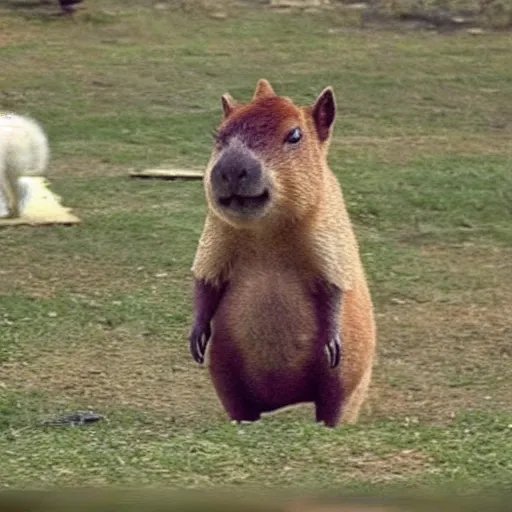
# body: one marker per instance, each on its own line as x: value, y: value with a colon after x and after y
x: 232, y: 175
x: 236, y: 173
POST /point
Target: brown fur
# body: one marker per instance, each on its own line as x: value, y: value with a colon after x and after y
x: 265, y: 327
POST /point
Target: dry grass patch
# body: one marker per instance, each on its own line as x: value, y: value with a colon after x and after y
x: 400, y: 465
x: 121, y: 370
x: 404, y: 149
x: 436, y: 362
x: 45, y: 280
x: 445, y: 354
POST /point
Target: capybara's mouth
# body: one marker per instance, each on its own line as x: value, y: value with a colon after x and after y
x: 245, y: 203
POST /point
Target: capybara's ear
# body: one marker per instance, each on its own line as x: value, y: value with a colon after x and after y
x: 263, y: 88
x: 228, y: 104
x: 324, y: 113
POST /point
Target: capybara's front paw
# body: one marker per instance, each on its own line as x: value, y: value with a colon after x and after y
x: 199, y: 338
x: 333, y: 349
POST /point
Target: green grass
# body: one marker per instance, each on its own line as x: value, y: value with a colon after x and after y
x: 154, y: 451
x: 97, y: 315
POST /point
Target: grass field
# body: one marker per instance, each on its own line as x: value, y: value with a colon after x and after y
x: 97, y: 316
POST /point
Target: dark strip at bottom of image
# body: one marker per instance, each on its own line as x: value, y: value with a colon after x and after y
x: 147, y: 500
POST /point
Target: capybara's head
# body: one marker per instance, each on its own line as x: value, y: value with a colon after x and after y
x: 269, y: 157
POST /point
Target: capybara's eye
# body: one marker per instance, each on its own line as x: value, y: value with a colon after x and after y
x: 294, y: 136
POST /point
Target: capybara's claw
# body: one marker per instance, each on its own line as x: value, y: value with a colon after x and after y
x: 199, y: 338
x: 333, y: 349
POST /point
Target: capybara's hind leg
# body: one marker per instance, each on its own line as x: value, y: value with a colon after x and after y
x: 231, y: 390
x: 236, y: 403
x: 329, y: 402
x: 355, y: 401
x: 243, y: 412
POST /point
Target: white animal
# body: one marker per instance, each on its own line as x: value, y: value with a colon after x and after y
x: 24, y: 151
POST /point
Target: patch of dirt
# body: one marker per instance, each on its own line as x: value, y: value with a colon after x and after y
x: 450, y: 353
x: 434, y: 362
x: 8, y: 38
x: 454, y: 359
x: 436, y: 358
x: 386, y: 468
x: 46, y: 280
x: 123, y: 372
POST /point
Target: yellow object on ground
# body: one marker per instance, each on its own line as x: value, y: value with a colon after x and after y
x: 39, y: 205
x: 169, y: 174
